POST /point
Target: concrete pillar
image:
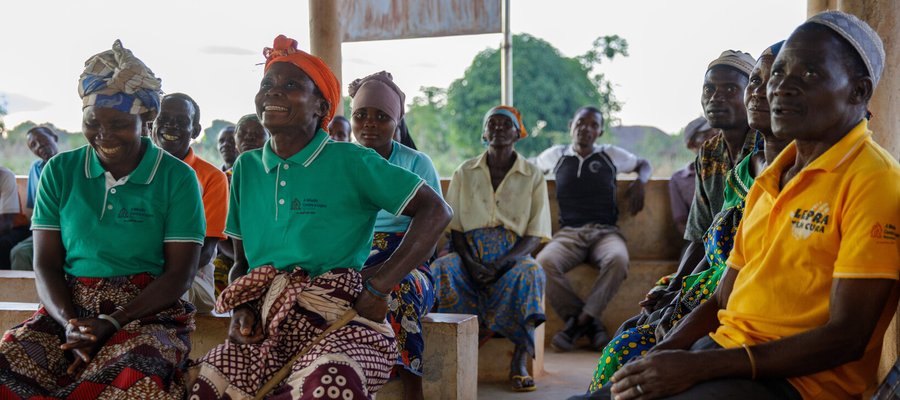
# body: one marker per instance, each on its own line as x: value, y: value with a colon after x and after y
x: 884, y: 17
x: 325, y: 35
x: 814, y: 7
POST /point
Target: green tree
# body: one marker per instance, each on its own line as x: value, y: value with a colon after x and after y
x: 207, y: 144
x: 548, y: 89
x: 2, y: 113
x: 428, y: 125
x: 210, y: 135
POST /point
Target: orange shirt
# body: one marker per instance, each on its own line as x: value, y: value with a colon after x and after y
x: 214, y: 188
x: 839, y: 218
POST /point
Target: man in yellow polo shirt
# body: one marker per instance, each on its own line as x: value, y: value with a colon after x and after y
x: 812, y: 284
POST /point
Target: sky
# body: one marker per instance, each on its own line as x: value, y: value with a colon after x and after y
x: 212, y: 50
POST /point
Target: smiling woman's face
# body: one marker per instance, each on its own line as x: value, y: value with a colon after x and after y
x: 288, y: 100
x: 114, y: 135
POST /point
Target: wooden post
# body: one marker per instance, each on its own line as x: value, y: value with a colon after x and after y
x: 325, y: 35
x: 814, y: 7
x: 884, y: 17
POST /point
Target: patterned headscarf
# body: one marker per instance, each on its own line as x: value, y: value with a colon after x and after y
x: 735, y: 59
x: 285, y: 49
x: 119, y: 80
x: 378, y: 90
x: 861, y: 36
x: 510, y: 112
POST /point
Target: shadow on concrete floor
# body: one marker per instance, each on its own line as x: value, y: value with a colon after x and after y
x: 567, y: 374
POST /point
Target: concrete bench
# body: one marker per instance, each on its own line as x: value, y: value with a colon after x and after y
x: 452, y: 362
x: 18, y: 286
x: 451, y: 354
x: 641, y: 276
x: 211, y: 330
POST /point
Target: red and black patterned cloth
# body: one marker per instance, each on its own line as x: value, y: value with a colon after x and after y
x: 143, y: 360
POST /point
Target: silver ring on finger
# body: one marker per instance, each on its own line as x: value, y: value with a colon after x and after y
x: 639, y: 389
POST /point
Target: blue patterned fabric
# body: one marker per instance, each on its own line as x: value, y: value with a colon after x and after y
x: 117, y: 79
x: 511, y: 306
x: 408, y: 302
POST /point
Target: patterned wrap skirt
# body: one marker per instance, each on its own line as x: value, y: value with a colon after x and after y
x: 409, y: 302
x: 512, y: 306
x: 354, y: 362
x: 146, y: 359
x: 696, y: 289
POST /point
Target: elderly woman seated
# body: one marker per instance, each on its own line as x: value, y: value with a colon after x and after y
x: 118, y: 226
x: 299, y: 249
x: 502, y: 215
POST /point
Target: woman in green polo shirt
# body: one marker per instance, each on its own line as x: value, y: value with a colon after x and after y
x: 301, y: 215
x: 118, y: 226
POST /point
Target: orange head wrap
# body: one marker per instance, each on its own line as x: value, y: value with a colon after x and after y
x: 285, y: 50
x: 509, y: 112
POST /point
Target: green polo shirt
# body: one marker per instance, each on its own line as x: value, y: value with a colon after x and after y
x: 317, y: 209
x: 119, y: 230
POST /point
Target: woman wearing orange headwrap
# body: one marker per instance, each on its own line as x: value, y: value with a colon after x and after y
x: 502, y: 216
x: 299, y: 248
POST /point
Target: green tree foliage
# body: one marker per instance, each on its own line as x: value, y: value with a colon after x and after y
x: 548, y: 88
x: 207, y: 144
x: 429, y: 125
x: 14, y: 151
x: 2, y: 113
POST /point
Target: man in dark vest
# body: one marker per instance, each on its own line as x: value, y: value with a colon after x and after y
x: 586, y: 192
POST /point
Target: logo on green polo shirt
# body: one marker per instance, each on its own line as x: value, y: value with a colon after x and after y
x: 133, y: 215
x: 307, y: 206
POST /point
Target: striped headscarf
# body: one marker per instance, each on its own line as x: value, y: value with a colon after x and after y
x: 285, y: 49
x: 510, y: 112
x: 117, y: 79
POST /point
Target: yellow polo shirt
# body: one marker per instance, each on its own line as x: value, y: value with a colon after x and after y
x: 519, y: 204
x: 837, y: 219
